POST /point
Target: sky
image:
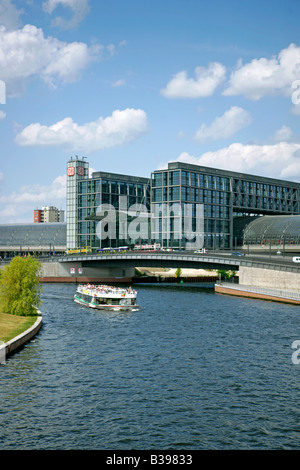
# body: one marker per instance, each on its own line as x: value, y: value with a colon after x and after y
x: 134, y: 84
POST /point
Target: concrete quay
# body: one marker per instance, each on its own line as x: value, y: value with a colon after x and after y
x: 255, y: 292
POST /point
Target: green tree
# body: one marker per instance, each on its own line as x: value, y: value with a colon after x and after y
x: 226, y: 274
x: 178, y: 273
x: 20, y: 289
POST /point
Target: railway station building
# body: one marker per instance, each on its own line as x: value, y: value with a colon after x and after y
x: 184, y: 206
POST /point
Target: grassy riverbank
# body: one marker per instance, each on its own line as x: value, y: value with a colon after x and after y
x: 13, y: 325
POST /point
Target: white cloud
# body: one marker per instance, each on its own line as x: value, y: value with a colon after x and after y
x: 2, y: 114
x: 280, y: 160
x: 284, y: 134
x: 91, y: 171
x: 119, y: 83
x: 119, y: 128
x: 28, y: 53
x: 205, y: 83
x: 224, y: 126
x: 79, y: 8
x: 263, y: 76
x: 13, y: 206
x: 9, y: 15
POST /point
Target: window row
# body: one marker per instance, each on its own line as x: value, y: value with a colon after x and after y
x: 186, y: 178
x: 172, y: 225
x: 94, y: 200
x: 111, y: 187
x: 177, y: 209
x: 263, y: 189
x: 190, y: 194
x: 259, y: 202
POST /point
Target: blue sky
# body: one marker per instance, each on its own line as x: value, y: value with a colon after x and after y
x: 135, y: 84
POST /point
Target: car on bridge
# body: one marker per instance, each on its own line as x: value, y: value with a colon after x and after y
x: 237, y: 253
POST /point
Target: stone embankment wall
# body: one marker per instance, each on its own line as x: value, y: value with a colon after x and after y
x: 14, y: 344
x: 263, y: 293
x: 266, y: 284
x: 269, y: 278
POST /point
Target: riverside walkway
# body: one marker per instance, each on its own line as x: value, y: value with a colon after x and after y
x: 266, y: 293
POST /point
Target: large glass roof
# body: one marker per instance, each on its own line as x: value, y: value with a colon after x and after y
x: 280, y: 228
x: 30, y: 235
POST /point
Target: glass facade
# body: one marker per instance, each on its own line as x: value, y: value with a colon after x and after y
x: 77, y: 170
x: 93, y: 201
x: 273, y: 230
x: 223, y: 195
x: 270, y: 196
x: 176, y: 207
x: 106, y: 190
x: 192, y: 195
x: 48, y: 238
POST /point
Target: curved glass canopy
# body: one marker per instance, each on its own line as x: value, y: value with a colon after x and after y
x: 273, y: 229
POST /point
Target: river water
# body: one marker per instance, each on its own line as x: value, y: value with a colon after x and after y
x: 191, y: 369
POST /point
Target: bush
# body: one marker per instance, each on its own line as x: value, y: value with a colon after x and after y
x: 226, y: 274
x: 20, y: 289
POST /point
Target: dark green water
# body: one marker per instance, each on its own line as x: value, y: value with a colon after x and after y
x: 191, y: 370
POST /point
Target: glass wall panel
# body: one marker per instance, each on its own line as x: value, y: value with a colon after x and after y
x: 157, y: 179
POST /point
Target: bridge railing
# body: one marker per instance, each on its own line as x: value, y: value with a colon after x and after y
x: 283, y: 293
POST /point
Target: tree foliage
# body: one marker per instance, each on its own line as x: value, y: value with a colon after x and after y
x: 178, y: 272
x: 20, y: 289
x: 226, y: 274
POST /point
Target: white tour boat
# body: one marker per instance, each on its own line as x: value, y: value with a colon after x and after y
x: 106, y: 297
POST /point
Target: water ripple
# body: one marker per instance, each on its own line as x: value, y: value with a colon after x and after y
x: 190, y: 370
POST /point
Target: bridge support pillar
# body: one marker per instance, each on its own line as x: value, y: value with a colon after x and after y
x: 75, y: 272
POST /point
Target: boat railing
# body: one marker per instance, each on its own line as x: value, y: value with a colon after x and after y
x: 106, y: 289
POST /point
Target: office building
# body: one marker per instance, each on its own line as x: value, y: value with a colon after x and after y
x: 183, y: 206
x: 227, y: 201
x: 102, y: 208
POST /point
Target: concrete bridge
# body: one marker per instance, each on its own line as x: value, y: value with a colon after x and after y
x: 268, y: 270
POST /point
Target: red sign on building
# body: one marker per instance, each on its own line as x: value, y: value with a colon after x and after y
x: 71, y: 171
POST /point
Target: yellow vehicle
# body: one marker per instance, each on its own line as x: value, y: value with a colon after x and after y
x: 78, y: 251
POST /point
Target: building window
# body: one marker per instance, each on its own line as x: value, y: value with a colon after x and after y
x: 185, y: 178
x: 174, y: 193
x: 114, y: 187
x: 132, y: 189
x: 105, y: 186
x: 157, y: 180
x: 174, y: 178
x: 157, y: 194
x: 203, y: 181
x: 123, y: 188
